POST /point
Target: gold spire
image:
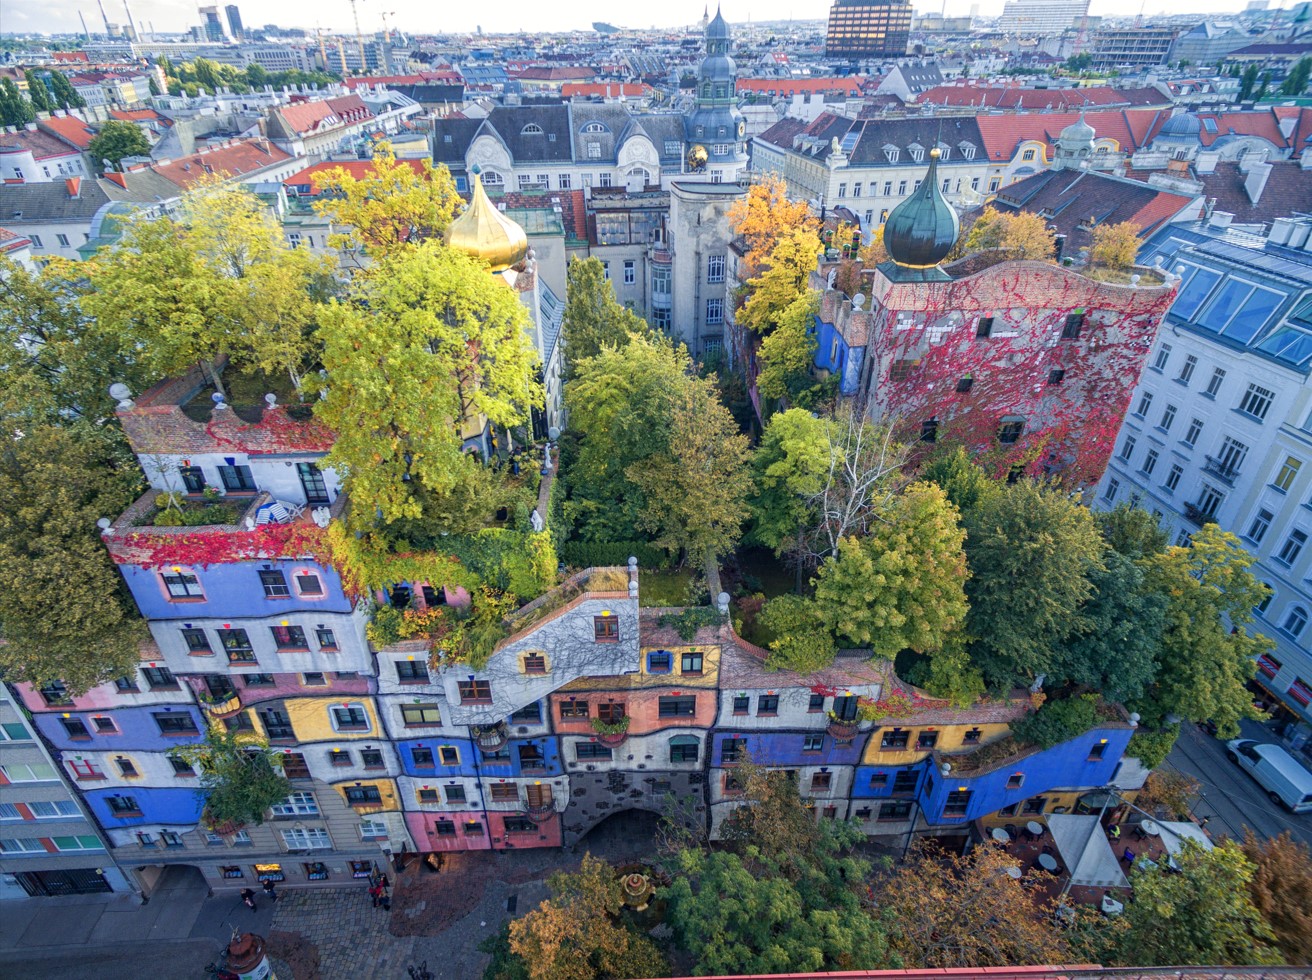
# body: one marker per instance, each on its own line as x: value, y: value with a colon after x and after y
x: 486, y: 233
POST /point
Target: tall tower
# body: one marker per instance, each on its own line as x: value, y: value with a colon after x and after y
x: 715, y: 131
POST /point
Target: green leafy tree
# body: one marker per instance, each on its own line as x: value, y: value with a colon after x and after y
x: 575, y: 935
x: 1263, y: 87
x: 790, y: 468
x: 1030, y: 551
x: 1247, y: 82
x: 56, y: 481
x: 696, y: 490
x: 1131, y: 531
x: 14, y: 109
x: 1203, y: 913
x: 117, y: 140
x: 792, y: 260
x: 1058, y: 720
x: 1207, y: 655
x: 593, y: 317
x: 621, y: 405
x: 965, y: 483
x: 239, y: 778
x: 428, y: 340
x: 1296, y: 81
x: 37, y: 92
x: 801, y: 640
x: 257, y: 76
x: 787, y: 354
x: 64, y: 95
x: 902, y: 586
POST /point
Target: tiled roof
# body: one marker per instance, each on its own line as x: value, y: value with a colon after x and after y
x: 303, y: 180
x: 309, y: 117
x: 71, y: 129
x: 140, y: 115
x: 10, y: 242
x: 554, y: 74
x: 847, y: 84
x: 1288, y: 189
x: 1009, y: 97
x: 43, y: 146
x: 1262, y: 122
x: 50, y: 202
x: 782, y: 133
x: 237, y: 159
x: 1072, y: 200
x: 612, y: 90
x: 1002, y: 135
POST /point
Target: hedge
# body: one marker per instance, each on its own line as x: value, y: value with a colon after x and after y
x: 590, y: 554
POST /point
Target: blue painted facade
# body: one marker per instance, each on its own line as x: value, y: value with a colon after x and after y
x: 137, y: 729
x: 508, y: 762
x: 1063, y: 766
x: 463, y: 746
x: 787, y: 749
x: 179, y: 807
x: 832, y: 354
x: 233, y: 591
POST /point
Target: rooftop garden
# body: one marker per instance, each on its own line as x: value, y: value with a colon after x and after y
x: 177, y: 510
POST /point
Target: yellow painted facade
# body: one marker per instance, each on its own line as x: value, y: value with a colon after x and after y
x: 675, y: 677
x: 951, y: 738
x: 312, y: 719
x: 391, y: 797
x: 1055, y: 803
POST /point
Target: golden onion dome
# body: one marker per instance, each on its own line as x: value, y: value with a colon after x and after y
x: 485, y: 233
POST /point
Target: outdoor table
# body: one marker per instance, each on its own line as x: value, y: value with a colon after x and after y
x: 1013, y: 872
x: 1047, y: 862
x: 1150, y: 828
x: 1001, y: 836
x: 1035, y: 828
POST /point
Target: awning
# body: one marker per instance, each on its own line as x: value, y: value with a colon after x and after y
x: 1175, y: 833
x: 1084, y: 850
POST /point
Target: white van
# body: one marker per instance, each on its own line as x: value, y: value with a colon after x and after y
x: 1284, y: 780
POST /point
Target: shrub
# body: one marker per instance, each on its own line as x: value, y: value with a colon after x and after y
x: 591, y: 554
x: 1058, y: 721
x: 1152, y: 748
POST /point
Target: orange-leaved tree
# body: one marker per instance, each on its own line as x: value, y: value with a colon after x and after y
x: 763, y: 217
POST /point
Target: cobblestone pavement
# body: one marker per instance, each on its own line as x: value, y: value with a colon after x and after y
x: 346, y: 936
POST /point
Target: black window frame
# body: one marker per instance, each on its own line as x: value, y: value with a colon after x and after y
x: 767, y: 704
x: 411, y: 671
x: 237, y: 478
x: 676, y: 706
x: 197, y: 641
x: 274, y: 583
x: 175, y: 723
x: 691, y: 657
x: 422, y: 757
x: 895, y: 739
x: 182, y: 585
x: 592, y: 752
x: 289, y: 637
x: 680, y: 752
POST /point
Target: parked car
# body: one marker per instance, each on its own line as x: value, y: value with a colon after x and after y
x: 1278, y: 772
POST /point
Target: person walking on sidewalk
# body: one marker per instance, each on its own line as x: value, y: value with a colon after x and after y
x: 268, y: 890
x: 248, y: 897
x: 376, y: 893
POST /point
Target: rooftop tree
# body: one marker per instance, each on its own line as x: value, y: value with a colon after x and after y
x: 116, y: 140
x: 762, y: 217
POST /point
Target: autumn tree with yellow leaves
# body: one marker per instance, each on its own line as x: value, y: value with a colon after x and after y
x: 764, y: 216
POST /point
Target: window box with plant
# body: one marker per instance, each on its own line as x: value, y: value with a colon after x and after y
x: 842, y: 730
x: 222, y: 705
x: 611, y: 732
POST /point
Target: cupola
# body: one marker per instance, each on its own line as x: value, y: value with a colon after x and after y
x: 921, y: 231
x: 485, y: 233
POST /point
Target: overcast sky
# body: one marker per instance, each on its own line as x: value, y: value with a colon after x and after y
x: 505, y: 16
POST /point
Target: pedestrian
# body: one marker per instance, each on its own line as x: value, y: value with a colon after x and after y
x: 248, y: 897
x: 376, y: 893
x: 269, y: 890
x: 382, y: 880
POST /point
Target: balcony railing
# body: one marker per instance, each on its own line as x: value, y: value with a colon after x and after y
x: 842, y: 731
x: 540, y: 813
x: 221, y: 706
x: 1222, y: 469
x: 490, y: 737
x: 1196, y: 515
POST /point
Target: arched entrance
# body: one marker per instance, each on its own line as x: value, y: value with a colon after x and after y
x: 596, y: 796
x: 631, y: 830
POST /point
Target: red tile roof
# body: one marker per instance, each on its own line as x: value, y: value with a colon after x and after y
x: 140, y: 115
x: 1003, y: 134
x: 67, y: 56
x: 71, y: 129
x: 1261, y: 123
x: 303, y: 180
x: 846, y: 84
x: 1012, y: 97
x: 43, y: 146
x: 10, y: 242
x: 314, y: 116
x: 554, y: 74
x: 239, y: 158
x: 612, y: 90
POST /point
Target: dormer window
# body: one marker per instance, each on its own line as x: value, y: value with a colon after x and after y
x: 967, y: 150
x: 594, y: 127
x: 532, y: 129
x: 892, y: 152
x: 944, y: 151
x: 917, y: 152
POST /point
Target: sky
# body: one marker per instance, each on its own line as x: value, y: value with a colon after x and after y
x: 59, y: 16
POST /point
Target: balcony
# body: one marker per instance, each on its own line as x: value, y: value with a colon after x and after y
x: 842, y: 731
x: 219, y: 706
x: 1195, y: 515
x: 1223, y: 470
x: 540, y: 813
x: 489, y: 738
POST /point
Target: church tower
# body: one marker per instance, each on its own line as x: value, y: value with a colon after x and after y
x: 716, y: 134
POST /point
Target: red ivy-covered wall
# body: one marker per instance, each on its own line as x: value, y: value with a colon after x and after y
x: 921, y: 342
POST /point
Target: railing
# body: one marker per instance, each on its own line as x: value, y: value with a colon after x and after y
x: 221, y: 707
x: 1195, y: 515
x: 490, y: 737
x: 1221, y: 469
x: 540, y: 812
x: 842, y: 732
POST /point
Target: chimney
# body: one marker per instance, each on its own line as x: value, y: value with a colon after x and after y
x: 1255, y: 183
x: 74, y: 186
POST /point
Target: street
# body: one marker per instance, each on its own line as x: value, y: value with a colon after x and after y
x: 1230, y: 797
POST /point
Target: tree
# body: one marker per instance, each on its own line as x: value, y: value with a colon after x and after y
x: 782, y: 282
x: 1114, y: 246
x: 621, y: 403
x: 764, y: 216
x: 789, y: 468
x: 219, y: 280
x: 1247, y: 82
x: 14, y: 109
x: 37, y: 92
x: 1131, y: 531
x: 1296, y: 81
x: 428, y: 340
x: 574, y: 936
x: 394, y: 205
x: 240, y: 778
x: 593, y: 317
x: 1116, y: 639
x: 787, y: 354
x: 966, y: 484
x: 52, y: 353
x: 1021, y: 235
x: 1281, y: 890
x: 1207, y: 656
x: 696, y: 490
x: 1168, y: 790
x: 901, y: 587
x: 1203, y: 913
x: 117, y: 140
x: 949, y: 911
x: 64, y: 95
x: 1263, y: 87
x: 56, y: 481
x: 801, y: 640
x: 737, y: 916
x: 1030, y: 551
x: 874, y: 253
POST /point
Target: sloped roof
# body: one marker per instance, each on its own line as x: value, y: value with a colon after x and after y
x: 846, y: 84
x: 42, y: 145
x: 1261, y: 122
x: 1013, y: 97
x: 140, y: 115
x: 1288, y: 189
x: 515, y: 126
x: 70, y: 129
x: 316, y: 115
x: 461, y: 132
x: 1084, y: 849
x: 606, y: 90
x: 50, y: 202
x: 876, y: 134
x: 1002, y: 135
x: 359, y: 169
x: 236, y: 159
x: 781, y: 133
x: 554, y: 73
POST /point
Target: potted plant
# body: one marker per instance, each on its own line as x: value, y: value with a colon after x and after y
x: 842, y: 730
x: 611, y: 732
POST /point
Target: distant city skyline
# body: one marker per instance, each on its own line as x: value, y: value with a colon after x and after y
x: 510, y: 16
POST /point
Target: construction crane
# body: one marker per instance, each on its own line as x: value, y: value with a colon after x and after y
x: 359, y: 37
x: 387, y: 31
